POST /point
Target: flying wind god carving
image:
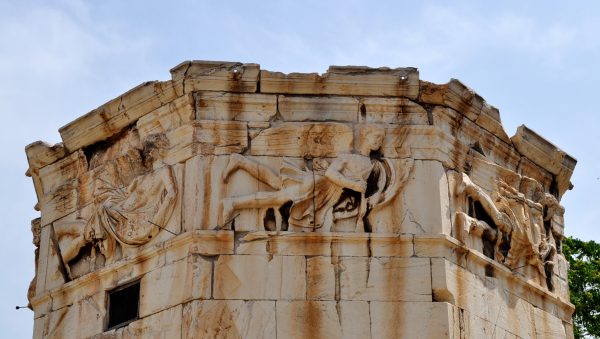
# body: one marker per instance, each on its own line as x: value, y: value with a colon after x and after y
x: 324, y: 193
x: 514, y: 224
x: 124, y: 215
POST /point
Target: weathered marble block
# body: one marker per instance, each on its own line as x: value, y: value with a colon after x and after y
x: 229, y: 319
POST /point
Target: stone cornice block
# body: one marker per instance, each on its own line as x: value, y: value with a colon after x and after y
x: 40, y: 154
x: 345, y: 80
x: 197, y: 75
x: 456, y: 95
x: 110, y: 118
x: 235, y: 106
x: 544, y: 154
x: 300, y: 139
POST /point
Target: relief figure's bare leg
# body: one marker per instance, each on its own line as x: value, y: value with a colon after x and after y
x: 519, y: 250
x: 548, y: 250
x: 75, y: 230
x: 469, y: 225
x: 255, y: 200
x: 462, y: 222
x: 261, y: 172
x: 362, y: 211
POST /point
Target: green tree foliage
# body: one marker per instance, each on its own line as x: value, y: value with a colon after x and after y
x: 584, y: 284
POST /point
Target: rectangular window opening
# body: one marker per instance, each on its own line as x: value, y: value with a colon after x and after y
x: 123, y: 305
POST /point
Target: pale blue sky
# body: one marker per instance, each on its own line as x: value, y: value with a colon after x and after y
x: 537, y: 61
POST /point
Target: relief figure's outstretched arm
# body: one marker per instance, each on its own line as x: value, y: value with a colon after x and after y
x: 334, y: 174
x: 477, y: 193
x: 76, y: 231
x: 259, y: 200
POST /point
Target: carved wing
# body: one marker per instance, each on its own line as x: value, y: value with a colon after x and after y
x: 395, y: 178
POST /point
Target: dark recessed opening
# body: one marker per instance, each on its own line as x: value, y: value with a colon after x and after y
x: 270, y: 222
x: 489, y: 270
x: 363, y: 111
x: 123, y: 305
x: 284, y: 210
x: 490, y: 234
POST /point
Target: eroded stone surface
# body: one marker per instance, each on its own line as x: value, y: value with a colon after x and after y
x: 163, y: 325
x: 322, y: 319
x: 260, y: 277
x: 391, y: 279
x: 229, y: 319
x: 173, y: 284
x: 485, y: 298
x: 411, y: 320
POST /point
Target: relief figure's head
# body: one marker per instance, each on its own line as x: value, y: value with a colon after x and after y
x: 370, y: 138
x: 36, y: 231
x: 155, y: 149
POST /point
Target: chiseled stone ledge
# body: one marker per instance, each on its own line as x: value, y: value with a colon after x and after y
x: 455, y: 266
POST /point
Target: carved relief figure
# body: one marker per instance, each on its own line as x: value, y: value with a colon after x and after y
x: 135, y: 214
x: 350, y: 185
x: 525, y: 215
x: 130, y: 215
x: 36, y: 231
x: 553, y: 238
x: 512, y: 219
